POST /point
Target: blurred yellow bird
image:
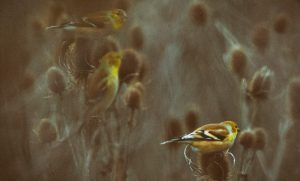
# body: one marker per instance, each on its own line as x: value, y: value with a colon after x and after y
x: 100, y: 20
x: 102, y: 87
x: 103, y: 84
x: 210, y: 138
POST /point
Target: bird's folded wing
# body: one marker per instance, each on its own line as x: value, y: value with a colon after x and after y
x: 212, y: 132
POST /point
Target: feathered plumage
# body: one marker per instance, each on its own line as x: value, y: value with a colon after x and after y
x: 210, y: 137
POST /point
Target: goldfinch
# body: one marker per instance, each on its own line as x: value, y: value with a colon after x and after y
x: 100, y: 20
x: 210, y: 138
x: 103, y: 84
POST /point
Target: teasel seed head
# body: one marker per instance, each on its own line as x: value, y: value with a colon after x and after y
x: 133, y: 98
x: 260, y: 84
x: 261, y: 37
x: 56, y: 80
x: 46, y: 131
x: 260, y: 138
x: 137, y: 37
x: 238, y: 62
x: 173, y: 129
x: 215, y: 165
x: 247, y: 139
x: 281, y: 23
x: 109, y: 44
x: 130, y: 67
x: 191, y: 120
x: 199, y: 13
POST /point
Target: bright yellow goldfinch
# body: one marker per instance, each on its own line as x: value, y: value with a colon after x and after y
x: 102, y: 87
x: 103, y: 84
x: 210, y: 137
x: 100, y: 20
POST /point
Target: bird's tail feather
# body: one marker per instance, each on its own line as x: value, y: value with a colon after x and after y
x: 172, y: 141
x: 53, y: 27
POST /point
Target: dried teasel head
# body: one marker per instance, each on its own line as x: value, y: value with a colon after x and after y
x: 261, y: 37
x: 100, y: 49
x: 130, y: 67
x: 247, y: 139
x: 133, y: 97
x: 56, y: 80
x: 46, y: 131
x: 294, y: 99
x: 191, y: 119
x: 214, y: 165
x: 238, y: 62
x: 173, y: 129
x: 281, y: 23
x: 260, y: 84
x: 137, y: 37
x: 260, y: 138
x: 199, y: 13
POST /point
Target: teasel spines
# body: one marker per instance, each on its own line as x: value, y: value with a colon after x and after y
x: 56, y: 80
x: 261, y: 84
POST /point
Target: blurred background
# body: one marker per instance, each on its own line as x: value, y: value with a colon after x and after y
x: 198, y: 62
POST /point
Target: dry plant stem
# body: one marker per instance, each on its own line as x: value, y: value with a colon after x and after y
x: 254, y: 113
x: 249, y: 162
x: 273, y: 173
x: 62, y: 125
x: 240, y: 171
x: 121, y: 158
x: 244, y: 108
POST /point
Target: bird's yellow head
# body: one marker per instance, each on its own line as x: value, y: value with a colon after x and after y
x: 117, y: 18
x: 112, y: 59
x: 232, y: 125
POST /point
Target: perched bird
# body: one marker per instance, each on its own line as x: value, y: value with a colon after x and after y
x: 103, y: 84
x: 210, y: 138
x: 97, y: 21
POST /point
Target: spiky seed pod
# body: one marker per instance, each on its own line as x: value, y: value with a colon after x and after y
x: 238, y: 62
x: 281, y: 23
x: 261, y: 37
x: 46, y: 131
x: 133, y: 98
x: 130, y: 67
x: 191, y: 120
x: 261, y: 83
x: 260, y: 138
x: 56, y: 80
x: 100, y: 49
x: 199, y: 13
x: 246, y: 139
x: 173, y: 129
x: 215, y: 165
x: 294, y: 99
x: 137, y: 37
